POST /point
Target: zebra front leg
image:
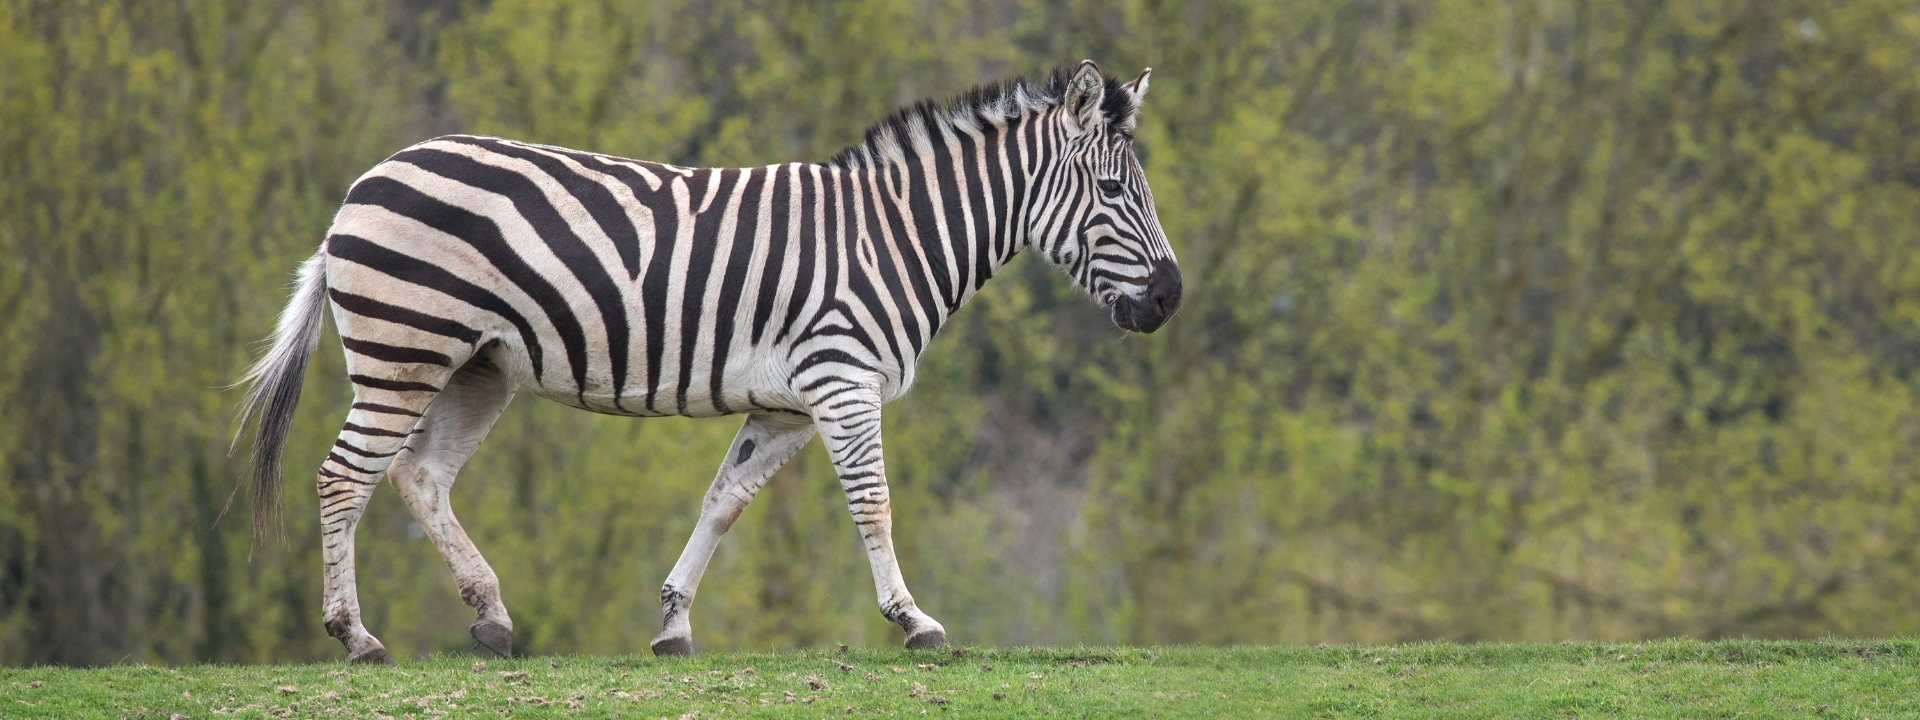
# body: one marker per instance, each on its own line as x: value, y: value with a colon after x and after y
x: 849, y: 424
x: 765, y: 444
x: 373, y: 435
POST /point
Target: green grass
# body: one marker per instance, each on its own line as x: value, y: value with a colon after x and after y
x: 1827, y: 678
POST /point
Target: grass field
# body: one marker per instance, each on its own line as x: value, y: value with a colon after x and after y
x: 1829, y: 678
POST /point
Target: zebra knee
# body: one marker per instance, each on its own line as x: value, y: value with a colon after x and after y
x: 870, y: 497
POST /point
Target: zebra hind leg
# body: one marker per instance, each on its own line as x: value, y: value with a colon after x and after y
x: 449, y: 433
x: 382, y: 418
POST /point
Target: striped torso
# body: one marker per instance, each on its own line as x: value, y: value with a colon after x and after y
x: 639, y: 288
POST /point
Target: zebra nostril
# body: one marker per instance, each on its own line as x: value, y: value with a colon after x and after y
x: 1163, y: 290
x: 1165, y: 299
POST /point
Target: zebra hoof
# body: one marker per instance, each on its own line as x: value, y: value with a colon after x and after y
x: 673, y: 647
x: 926, y: 640
x: 496, y: 638
x: 375, y: 655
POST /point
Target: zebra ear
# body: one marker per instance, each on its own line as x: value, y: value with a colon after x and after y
x: 1085, y: 92
x: 1137, y: 89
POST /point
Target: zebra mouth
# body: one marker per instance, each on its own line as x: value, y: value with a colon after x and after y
x: 1151, y: 310
x: 1135, y: 316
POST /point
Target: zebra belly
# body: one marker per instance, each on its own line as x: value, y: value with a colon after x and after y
x: 744, y: 388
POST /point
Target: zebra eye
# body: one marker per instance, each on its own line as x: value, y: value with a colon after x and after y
x: 1110, y: 187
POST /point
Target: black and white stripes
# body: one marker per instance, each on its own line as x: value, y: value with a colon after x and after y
x: 465, y: 268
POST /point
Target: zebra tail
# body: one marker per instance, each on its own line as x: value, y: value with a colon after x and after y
x: 273, y: 391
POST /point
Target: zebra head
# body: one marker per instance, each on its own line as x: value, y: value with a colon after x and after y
x: 1100, y: 227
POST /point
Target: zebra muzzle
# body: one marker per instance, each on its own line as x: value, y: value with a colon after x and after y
x: 1148, y: 312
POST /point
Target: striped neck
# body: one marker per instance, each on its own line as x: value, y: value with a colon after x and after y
x: 944, y: 205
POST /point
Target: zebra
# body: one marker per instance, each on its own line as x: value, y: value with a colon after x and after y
x: 465, y: 268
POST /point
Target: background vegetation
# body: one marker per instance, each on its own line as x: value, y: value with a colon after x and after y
x: 1505, y: 320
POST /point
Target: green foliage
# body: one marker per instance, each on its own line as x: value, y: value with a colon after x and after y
x: 1661, y: 679
x: 1504, y: 321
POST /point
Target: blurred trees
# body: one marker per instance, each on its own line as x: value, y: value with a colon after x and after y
x: 1505, y: 320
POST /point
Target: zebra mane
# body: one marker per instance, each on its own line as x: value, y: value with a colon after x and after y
x: 981, y: 104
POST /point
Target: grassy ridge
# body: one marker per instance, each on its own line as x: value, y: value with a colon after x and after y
x: 1831, y: 678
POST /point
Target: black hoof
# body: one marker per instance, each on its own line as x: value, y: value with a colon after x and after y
x: 927, y: 639
x: 673, y: 647
x: 375, y: 656
x: 496, y: 638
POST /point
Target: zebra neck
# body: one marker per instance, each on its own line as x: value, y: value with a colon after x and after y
x: 943, y: 214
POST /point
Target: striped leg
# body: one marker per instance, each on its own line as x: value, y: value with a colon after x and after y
x: 764, y: 445
x: 849, y: 424
x: 449, y: 433
x: 381, y: 419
